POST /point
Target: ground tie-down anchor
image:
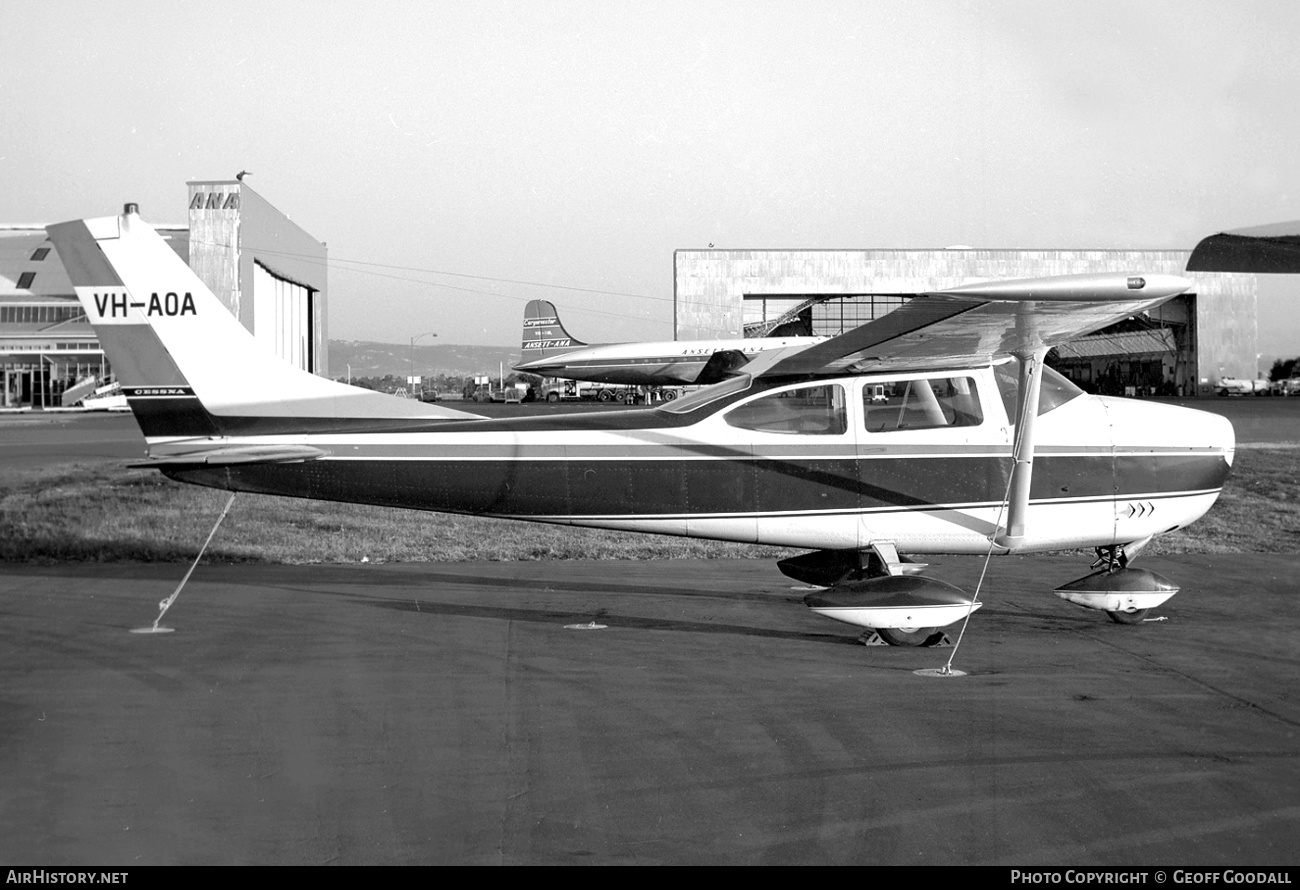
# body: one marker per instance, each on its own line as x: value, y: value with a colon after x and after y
x: 167, y: 602
x: 945, y: 671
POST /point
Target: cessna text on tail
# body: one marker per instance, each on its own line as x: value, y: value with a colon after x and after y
x: 549, y: 350
x: 935, y: 429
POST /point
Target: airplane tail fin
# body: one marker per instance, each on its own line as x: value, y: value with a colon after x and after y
x: 544, y: 335
x: 188, y: 368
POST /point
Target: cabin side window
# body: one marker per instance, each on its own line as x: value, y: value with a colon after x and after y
x: 809, y: 410
x: 925, y: 404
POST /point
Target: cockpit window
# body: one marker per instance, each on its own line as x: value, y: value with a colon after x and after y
x: 708, y: 395
x: 808, y: 410
x: 924, y: 404
x: 1053, y: 392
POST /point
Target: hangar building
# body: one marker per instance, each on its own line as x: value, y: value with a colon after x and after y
x: 1181, y: 348
x: 268, y: 271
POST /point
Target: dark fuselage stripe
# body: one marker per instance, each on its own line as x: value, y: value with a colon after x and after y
x: 688, y: 451
x: 714, y: 487
x: 930, y: 508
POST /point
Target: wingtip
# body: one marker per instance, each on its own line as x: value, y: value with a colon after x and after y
x: 1088, y: 288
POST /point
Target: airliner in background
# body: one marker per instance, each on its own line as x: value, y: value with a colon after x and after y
x: 550, y: 351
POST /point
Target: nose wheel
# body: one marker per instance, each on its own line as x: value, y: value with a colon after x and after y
x: 1124, y: 593
x: 1137, y: 616
x: 910, y: 636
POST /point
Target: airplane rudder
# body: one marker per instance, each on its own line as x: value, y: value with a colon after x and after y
x: 99, y: 256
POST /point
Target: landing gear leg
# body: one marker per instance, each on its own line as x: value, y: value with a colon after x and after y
x: 1110, y: 558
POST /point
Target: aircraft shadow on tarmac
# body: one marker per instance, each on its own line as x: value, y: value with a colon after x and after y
x: 1013, y: 606
x: 1049, y: 619
x: 604, y: 616
x: 434, y: 608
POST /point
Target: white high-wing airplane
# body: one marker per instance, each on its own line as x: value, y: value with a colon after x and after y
x: 551, y: 351
x: 797, y: 449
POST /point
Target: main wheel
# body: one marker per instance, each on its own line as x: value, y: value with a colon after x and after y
x: 910, y: 636
x: 603, y: 396
x: 552, y: 397
x: 1129, y: 617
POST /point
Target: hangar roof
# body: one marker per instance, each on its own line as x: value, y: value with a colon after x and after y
x: 30, y: 271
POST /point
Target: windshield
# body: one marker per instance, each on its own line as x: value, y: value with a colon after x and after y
x: 1054, y: 391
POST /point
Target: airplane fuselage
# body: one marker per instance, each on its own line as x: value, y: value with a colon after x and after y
x: 918, y: 459
x: 671, y: 362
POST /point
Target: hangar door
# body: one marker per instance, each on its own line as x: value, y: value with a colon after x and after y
x: 283, y: 318
x: 807, y: 315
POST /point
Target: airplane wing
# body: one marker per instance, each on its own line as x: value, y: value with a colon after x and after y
x: 1274, y: 248
x: 975, y: 323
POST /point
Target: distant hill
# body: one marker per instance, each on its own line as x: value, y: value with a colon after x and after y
x: 378, y: 359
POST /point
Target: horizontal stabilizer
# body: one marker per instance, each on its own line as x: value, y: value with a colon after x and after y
x: 228, y: 455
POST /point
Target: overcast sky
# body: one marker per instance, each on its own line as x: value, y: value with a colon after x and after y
x: 578, y: 144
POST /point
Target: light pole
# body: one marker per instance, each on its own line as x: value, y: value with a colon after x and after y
x: 410, y: 378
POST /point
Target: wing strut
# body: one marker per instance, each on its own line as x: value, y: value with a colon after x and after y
x: 1022, y: 473
x: 1016, y: 503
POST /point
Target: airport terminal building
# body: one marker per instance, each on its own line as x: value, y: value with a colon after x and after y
x: 1182, y: 348
x: 264, y: 268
